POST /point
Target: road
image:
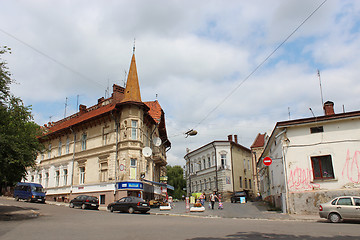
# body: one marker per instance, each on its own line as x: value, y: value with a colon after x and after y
x: 59, y: 222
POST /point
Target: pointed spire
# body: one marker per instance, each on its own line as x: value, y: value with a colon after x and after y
x: 132, y: 90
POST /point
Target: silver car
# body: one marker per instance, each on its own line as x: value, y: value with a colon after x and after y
x: 340, y: 208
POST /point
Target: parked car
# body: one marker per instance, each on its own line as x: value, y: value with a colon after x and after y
x: 130, y: 205
x: 340, y: 208
x: 236, y: 196
x: 84, y: 202
x: 32, y: 192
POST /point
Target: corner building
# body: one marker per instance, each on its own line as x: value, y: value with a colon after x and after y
x: 99, y: 151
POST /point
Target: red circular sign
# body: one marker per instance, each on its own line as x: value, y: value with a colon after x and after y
x: 267, y: 161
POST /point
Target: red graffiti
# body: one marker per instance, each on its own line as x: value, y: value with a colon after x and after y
x: 351, y: 169
x: 300, y: 179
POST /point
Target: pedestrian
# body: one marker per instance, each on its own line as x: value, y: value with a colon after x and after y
x: 212, y: 200
x: 202, y: 199
x: 220, y: 205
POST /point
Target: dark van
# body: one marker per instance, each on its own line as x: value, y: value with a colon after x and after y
x: 32, y: 192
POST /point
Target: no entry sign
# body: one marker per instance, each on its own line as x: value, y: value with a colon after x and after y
x: 267, y: 161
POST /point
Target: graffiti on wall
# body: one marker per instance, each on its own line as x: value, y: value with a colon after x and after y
x: 351, y: 169
x: 300, y: 179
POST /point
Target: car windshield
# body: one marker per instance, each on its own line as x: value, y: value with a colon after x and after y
x: 37, y: 189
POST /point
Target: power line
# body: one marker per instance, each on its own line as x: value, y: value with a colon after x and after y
x: 261, y: 64
x: 51, y: 58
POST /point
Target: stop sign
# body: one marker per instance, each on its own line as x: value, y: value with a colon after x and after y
x: 267, y: 161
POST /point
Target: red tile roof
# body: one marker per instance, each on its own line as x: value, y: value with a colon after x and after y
x: 259, y: 141
x: 155, y: 110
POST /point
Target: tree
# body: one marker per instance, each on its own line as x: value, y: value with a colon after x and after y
x: 176, y: 179
x: 19, y: 145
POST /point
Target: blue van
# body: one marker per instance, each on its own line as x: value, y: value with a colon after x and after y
x: 32, y: 192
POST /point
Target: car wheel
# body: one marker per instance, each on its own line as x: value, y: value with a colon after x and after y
x: 111, y: 209
x: 131, y: 210
x: 334, y: 218
x: 83, y: 206
x: 71, y: 205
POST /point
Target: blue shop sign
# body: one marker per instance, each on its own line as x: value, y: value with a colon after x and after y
x: 130, y: 185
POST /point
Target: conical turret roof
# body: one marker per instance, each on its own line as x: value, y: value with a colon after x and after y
x: 132, y: 90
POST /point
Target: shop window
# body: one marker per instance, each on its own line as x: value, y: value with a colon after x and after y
x: 322, y: 167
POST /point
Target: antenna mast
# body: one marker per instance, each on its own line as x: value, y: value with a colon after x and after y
x: 66, y: 104
x: 322, y: 99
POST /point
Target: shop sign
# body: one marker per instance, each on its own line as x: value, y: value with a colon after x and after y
x: 130, y: 185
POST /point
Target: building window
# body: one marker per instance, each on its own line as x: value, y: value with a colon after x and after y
x: 132, y: 169
x: 67, y: 145
x: 49, y: 151
x: 209, y: 162
x: 205, y: 184
x: 134, y: 124
x: 204, y: 163
x: 322, y: 167
x: 103, y: 172
x: 317, y: 129
x: 200, y: 186
x: 223, y: 160
x: 59, y: 148
x: 241, y: 185
x: 199, y: 163
x: 83, y: 141
x: 249, y: 183
x: 46, y: 180
x: 249, y: 165
x: 40, y: 178
x: 245, y: 183
x: 57, y: 178
x: 102, y: 199
x: 82, y: 175
x: 65, y: 176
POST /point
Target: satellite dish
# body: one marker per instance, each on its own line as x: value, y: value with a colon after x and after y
x: 147, y: 151
x: 157, y: 141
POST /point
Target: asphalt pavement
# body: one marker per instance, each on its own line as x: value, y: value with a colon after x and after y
x: 249, y: 210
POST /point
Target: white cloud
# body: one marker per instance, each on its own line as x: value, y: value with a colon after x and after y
x: 192, y: 54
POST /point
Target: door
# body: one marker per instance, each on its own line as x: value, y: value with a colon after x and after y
x: 345, y: 207
x: 357, y: 207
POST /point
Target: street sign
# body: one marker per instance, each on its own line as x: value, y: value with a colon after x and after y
x: 267, y: 161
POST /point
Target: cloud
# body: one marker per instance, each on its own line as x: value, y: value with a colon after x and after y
x: 194, y: 55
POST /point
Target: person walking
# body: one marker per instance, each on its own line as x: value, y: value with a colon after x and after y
x: 202, y: 199
x: 212, y: 200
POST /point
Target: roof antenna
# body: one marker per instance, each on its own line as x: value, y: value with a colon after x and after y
x: 156, y: 96
x: 322, y: 99
x: 66, y: 104
x: 134, y: 47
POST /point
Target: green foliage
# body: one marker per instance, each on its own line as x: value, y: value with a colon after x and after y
x: 176, y: 179
x: 18, y: 133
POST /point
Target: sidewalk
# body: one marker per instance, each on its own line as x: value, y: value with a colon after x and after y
x: 249, y: 210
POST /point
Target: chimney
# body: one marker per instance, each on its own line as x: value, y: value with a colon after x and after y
x: 230, y: 138
x: 118, y: 93
x: 82, y: 109
x: 236, y: 140
x: 100, y: 100
x: 329, y: 108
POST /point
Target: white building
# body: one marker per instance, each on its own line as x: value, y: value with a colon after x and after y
x: 221, y: 166
x: 314, y: 160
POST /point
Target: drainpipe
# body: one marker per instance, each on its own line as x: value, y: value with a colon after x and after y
x: 73, y: 163
x: 116, y: 148
x: 216, y: 175
x: 232, y: 165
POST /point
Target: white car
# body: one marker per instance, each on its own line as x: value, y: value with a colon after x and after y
x: 340, y: 208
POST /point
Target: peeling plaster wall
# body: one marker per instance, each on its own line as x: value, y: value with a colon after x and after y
x: 308, y: 202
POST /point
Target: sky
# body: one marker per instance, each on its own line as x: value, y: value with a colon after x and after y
x: 197, y: 58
